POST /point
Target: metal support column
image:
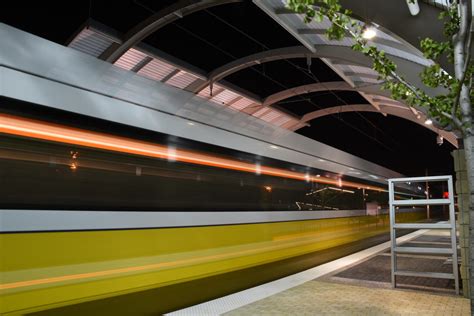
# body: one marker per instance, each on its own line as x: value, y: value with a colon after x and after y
x: 451, y: 226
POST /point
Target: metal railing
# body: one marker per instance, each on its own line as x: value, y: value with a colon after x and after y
x: 451, y: 226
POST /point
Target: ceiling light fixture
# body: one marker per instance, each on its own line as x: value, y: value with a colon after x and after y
x: 439, y: 140
x: 369, y: 32
x: 428, y: 122
x: 413, y: 7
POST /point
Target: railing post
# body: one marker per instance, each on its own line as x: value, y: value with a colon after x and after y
x: 393, y: 235
x: 451, y: 226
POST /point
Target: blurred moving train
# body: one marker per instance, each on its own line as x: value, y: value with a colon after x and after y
x: 67, y: 168
x: 88, y: 215
x: 104, y: 214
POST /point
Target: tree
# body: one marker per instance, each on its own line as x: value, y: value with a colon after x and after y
x: 452, y: 110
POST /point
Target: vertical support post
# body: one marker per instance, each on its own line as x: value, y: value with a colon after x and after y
x: 427, y: 187
x: 452, y: 220
x: 427, y: 197
x: 393, y: 236
x: 463, y: 220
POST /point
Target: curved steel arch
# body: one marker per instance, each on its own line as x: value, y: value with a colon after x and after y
x: 344, y: 53
x: 341, y: 109
x: 372, y: 90
x: 158, y: 20
x: 395, y: 110
x: 321, y: 86
x: 325, y: 51
x: 307, y: 88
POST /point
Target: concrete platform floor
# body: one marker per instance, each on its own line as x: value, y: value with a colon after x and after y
x: 358, y: 284
x: 375, y: 271
x: 324, y: 298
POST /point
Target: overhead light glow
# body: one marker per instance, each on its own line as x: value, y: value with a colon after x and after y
x: 439, y: 140
x: 273, y: 147
x: 369, y: 33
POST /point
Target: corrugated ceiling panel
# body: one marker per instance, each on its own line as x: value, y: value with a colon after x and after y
x: 404, y: 54
x: 205, y: 93
x: 362, y: 70
x: 381, y: 97
x: 182, y: 79
x: 225, y: 97
x: 90, y: 42
x: 291, y: 124
x: 130, y: 59
x: 94, y: 43
x: 261, y: 112
x: 323, y: 39
x: 241, y: 104
x: 282, y: 120
x: 360, y: 81
x: 156, y: 70
x: 271, y: 115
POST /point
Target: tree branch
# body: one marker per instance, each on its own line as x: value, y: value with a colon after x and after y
x: 406, y: 84
x: 455, y: 120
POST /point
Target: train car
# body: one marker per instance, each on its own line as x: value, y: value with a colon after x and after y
x: 114, y: 205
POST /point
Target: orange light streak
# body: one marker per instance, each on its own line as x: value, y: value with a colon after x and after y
x: 19, y: 126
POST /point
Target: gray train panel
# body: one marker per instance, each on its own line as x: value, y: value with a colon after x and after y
x: 36, y: 220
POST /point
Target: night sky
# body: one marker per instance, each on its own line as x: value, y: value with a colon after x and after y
x: 215, y: 36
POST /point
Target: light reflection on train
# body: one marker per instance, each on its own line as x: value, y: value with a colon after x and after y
x: 68, y: 168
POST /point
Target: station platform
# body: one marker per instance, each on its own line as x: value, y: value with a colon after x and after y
x: 358, y: 284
